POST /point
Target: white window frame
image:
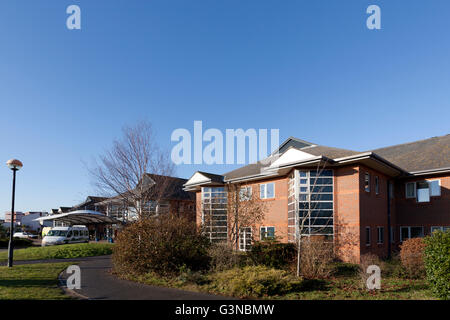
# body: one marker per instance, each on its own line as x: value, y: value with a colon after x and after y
x: 380, y: 240
x: 409, y: 231
x: 415, y: 190
x: 265, y: 190
x: 243, y: 245
x: 248, y: 195
x: 367, y: 176
x: 265, y: 232
x: 368, y: 238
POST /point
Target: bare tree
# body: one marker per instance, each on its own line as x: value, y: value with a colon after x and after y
x: 307, y: 214
x: 245, y: 210
x: 135, y: 170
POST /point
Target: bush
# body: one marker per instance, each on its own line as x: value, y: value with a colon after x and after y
x: 316, y: 258
x: 255, y: 281
x: 411, y: 256
x: 161, y: 244
x: 437, y: 263
x: 272, y: 254
x: 222, y: 256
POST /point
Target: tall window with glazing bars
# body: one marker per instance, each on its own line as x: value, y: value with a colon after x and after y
x: 214, y: 213
x: 310, y: 205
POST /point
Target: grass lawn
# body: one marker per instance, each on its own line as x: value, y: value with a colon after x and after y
x: 65, y: 251
x: 32, y: 281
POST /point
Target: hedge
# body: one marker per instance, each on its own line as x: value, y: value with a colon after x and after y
x: 437, y: 263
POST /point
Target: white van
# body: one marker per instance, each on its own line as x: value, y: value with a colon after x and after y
x: 64, y: 235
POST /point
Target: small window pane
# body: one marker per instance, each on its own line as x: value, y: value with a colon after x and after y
x: 410, y: 190
x: 262, y: 190
x: 416, y: 232
x: 435, y: 188
x: 270, y: 190
x: 404, y: 231
x: 423, y: 195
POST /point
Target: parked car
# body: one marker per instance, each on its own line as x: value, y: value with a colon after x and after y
x: 24, y: 235
x: 64, y: 235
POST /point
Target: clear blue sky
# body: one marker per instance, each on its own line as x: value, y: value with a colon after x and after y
x: 309, y: 68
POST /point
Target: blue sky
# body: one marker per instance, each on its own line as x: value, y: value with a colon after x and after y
x: 309, y: 68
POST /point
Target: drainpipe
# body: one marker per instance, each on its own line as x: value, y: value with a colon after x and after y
x: 389, y: 216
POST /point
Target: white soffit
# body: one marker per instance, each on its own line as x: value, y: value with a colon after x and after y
x: 198, y: 178
x: 291, y: 156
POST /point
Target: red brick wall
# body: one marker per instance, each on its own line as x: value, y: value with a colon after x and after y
x: 427, y: 214
x: 277, y: 209
x: 373, y: 212
x: 346, y: 213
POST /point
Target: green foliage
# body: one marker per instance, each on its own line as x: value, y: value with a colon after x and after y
x: 18, y: 242
x: 66, y: 251
x: 437, y: 263
x: 162, y: 245
x: 272, y: 254
x: 254, y: 281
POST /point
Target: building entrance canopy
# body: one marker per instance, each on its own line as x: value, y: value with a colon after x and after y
x: 81, y: 217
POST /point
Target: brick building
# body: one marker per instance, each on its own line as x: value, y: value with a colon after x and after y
x: 364, y: 201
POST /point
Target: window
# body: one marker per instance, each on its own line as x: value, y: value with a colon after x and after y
x: 245, y: 238
x: 377, y: 185
x: 367, y: 236
x: 245, y: 193
x: 267, y: 233
x: 310, y: 203
x: 435, y: 188
x: 380, y: 238
x: 441, y: 228
x: 410, y: 232
x: 410, y: 190
x: 423, y: 190
x: 367, y: 182
x: 214, y: 213
x: 267, y: 190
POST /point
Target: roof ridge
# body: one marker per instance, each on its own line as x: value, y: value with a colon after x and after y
x: 411, y: 142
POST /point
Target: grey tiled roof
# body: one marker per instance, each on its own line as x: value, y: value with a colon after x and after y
x: 428, y: 154
x: 255, y: 168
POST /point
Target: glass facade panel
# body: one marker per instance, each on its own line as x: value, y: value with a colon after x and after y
x: 310, y: 201
x: 214, y: 213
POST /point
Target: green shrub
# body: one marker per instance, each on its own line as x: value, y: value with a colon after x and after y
x: 162, y: 244
x: 272, y: 254
x: 437, y: 263
x: 411, y: 256
x: 254, y: 281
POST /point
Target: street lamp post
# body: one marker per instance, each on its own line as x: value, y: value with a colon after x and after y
x: 14, y: 165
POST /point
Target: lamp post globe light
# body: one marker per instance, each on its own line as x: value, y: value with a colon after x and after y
x: 14, y: 165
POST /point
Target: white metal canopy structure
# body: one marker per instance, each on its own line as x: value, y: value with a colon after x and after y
x: 81, y: 217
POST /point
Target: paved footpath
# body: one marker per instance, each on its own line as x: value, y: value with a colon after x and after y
x: 97, y: 283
